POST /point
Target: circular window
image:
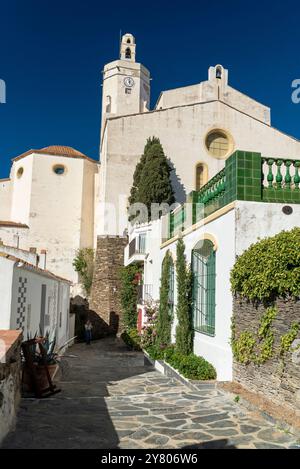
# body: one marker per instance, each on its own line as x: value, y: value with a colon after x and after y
x: 218, y: 143
x: 59, y: 169
x: 20, y: 172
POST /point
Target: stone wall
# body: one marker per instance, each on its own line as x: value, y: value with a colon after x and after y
x: 105, y: 293
x: 10, y: 385
x: 279, y: 383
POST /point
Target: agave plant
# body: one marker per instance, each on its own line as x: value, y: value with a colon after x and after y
x: 50, y: 355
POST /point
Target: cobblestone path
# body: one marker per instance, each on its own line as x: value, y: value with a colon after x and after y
x: 109, y: 399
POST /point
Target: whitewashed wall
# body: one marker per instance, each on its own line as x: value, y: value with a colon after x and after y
x: 56, y: 303
x: 59, y: 209
x: 215, y: 349
x: 6, y: 279
x: 256, y: 220
x: 5, y: 199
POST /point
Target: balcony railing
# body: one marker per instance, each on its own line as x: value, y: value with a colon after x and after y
x: 144, y: 293
x: 246, y: 176
x: 137, y: 245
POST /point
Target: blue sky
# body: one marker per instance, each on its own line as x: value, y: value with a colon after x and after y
x: 52, y: 54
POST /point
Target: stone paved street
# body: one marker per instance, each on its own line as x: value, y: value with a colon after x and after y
x: 109, y: 399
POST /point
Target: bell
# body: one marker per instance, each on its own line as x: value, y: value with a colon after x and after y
x: 219, y: 73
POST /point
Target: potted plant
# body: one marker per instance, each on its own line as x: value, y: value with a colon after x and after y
x: 46, y: 357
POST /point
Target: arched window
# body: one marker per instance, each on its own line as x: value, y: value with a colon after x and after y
x: 204, y: 286
x: 128, y: 41
x: 128, y: 53
x: 201, y: 176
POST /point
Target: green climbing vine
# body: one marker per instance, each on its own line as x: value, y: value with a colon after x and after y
x: 255, y: 347
x: 286, y: 341
x: 258, y: 347
x: 266, y: 271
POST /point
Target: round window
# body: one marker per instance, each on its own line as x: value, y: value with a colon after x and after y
x: 218, y: 143
x: 20, y: 172
x: 59, y: 169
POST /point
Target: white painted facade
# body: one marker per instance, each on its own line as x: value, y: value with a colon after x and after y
x: 232, y: 230
x: 34, y: 300
x: 50, y: 211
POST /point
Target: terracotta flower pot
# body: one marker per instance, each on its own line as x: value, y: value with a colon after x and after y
x: 41, y: 376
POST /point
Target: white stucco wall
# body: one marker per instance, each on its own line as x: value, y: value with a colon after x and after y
x: 21, y: 190
x: 59, y: 209
x: 256, y: 220
x: 57, y: 297
x: 5, y: 199
x: 6, y: 279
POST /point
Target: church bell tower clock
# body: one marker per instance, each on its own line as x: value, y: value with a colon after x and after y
x: 126, y: 84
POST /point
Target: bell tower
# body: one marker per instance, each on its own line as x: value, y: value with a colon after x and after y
x: 126, y: 84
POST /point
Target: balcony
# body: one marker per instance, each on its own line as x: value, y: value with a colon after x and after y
x: 135, y: 251
x: 247, y: 176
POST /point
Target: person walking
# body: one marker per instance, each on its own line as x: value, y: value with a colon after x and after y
x: 88, y: 332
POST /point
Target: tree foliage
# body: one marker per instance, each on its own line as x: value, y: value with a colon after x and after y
x: 84, y: 265
x: 184, y: 329
x: 164, y: 317
x: 151, y: 179
x: 128, y: 295
x: 269, y: 268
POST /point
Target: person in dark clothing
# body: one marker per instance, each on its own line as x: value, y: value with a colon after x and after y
x: 88, y: 332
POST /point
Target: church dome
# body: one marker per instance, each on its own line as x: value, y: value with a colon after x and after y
x: 56, y: 150
x: 61, y: 151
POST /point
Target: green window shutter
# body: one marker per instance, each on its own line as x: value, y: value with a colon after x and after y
x: 204, y: 287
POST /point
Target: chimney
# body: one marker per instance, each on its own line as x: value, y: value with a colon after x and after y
x: 43, y: 259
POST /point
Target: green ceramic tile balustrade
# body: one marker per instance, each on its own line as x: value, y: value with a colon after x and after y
x: 246, y: 176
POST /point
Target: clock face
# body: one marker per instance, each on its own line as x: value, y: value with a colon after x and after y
x: 129, y: 82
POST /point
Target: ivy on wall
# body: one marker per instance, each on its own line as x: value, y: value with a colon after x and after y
x: 267, y: 270
x: 255, y: 347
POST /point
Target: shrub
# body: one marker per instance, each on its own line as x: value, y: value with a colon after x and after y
x: 156, y: 351
x: 132, y: 339
x: 149, y: 333
x: 269, y: 268
x: 192, y: 367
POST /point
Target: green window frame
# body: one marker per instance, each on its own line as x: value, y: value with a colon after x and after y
x: 204, y: 287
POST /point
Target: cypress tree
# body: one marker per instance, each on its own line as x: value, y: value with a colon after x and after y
x: 151, y: 180
x: 184, y: 330
x: 164, y: 318
x: 139, y: 168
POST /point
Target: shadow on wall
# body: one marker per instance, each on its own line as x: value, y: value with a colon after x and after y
x: 80, y: 307
x: 179, y: 189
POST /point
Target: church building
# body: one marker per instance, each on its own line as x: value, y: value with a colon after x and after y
x: 58, y: 200
x: 199, y: 126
